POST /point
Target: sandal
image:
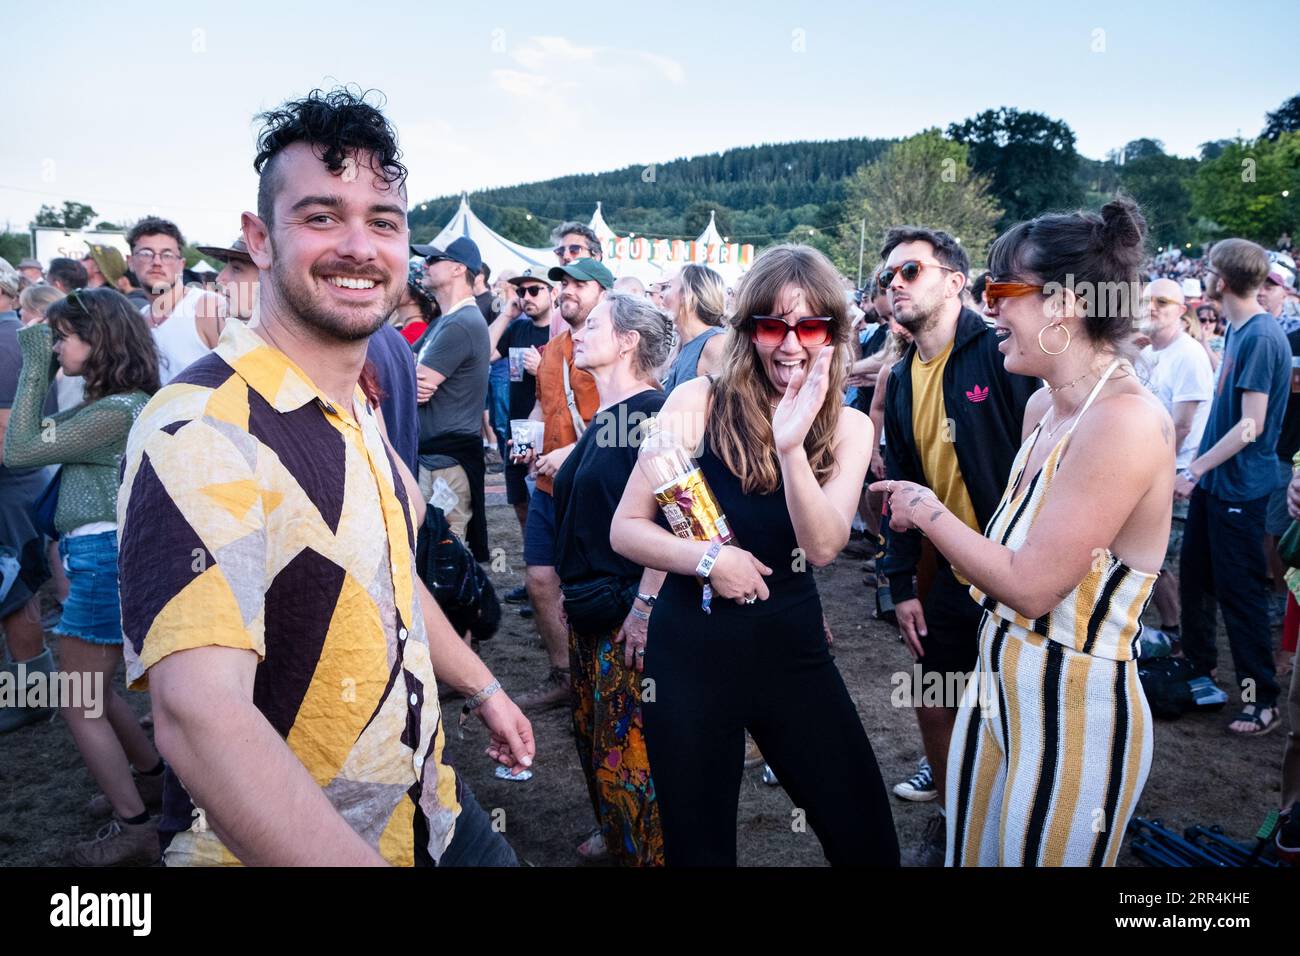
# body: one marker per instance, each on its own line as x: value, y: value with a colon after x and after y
x: 1250, y: 714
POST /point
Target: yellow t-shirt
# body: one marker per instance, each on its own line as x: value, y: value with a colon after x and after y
x: 934, y: 438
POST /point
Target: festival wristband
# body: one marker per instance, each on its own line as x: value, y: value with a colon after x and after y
x: 639, y: 614
x: 705, y: 567
x: 1186, y: 473
x: 703, y: 570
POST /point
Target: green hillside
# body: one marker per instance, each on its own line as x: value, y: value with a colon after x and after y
x: 758, y: 192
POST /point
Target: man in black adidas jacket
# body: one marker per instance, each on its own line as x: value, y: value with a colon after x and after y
x: 953, y: 417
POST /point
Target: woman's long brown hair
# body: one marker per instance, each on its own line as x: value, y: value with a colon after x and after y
x: 739, y: 425
x: 123, y: 356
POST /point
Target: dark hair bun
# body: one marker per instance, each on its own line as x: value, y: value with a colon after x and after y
x: 1122, y: 223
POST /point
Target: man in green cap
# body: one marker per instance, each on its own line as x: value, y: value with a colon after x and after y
x: 104, y: 266
x: 565, y: 404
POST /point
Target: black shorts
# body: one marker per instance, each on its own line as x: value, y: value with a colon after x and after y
x: 516, y: 487
x: 952, y: 621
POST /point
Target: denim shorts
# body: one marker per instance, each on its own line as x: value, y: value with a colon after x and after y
x: 91, y: 612
x: 539, y: 531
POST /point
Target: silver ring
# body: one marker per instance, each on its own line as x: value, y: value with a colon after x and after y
x: 751, y: 599
x: 640, y: 652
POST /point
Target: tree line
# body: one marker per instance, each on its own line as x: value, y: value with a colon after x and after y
x: 974, y: 178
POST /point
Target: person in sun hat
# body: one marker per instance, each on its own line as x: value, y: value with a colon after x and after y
x: 104, y: 266
x: 237, y: 279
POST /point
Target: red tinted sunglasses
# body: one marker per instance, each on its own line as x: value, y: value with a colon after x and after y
x: 770, y: 330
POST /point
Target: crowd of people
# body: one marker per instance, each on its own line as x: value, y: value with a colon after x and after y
x: 230, y: 491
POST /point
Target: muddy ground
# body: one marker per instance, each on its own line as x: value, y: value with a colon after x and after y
x: 1199, y: 774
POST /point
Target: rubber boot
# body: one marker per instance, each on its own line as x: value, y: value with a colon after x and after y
x: 13, y: 715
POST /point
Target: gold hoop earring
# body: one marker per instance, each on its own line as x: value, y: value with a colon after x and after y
x: 1053, y: 326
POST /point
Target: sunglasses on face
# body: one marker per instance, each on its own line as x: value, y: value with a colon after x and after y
x: 572, y: 249
x: 994, y: 291
x: 533, y: 290
x: 909, y: 270
x: 770, y: 330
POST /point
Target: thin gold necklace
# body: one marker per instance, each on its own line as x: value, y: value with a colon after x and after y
x: 1060, y: 388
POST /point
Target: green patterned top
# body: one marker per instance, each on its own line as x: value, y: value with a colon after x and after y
x: 88, y: 440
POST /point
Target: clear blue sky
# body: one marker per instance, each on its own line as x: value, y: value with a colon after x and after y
x: 147, y: 107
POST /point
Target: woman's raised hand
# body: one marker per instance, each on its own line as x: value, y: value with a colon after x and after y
x: 803, y: 399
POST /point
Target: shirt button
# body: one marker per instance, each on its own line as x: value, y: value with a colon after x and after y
x: 414, y: 700
x: 401, y: 633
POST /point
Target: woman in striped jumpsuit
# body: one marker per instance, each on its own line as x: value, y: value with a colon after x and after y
x: 1053, y: 738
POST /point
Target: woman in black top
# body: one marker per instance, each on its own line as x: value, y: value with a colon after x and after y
x: 785, y: 460
x: 607, y: 598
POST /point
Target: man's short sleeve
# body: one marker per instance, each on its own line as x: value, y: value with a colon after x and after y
x: 508, y: 338
x: 449, y: 349
x: 1193, y: 379
x: 192, y: 561
x: 1261, y: 361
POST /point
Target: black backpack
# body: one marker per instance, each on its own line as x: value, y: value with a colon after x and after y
x: 1164, y: 680
x: 458, y: 583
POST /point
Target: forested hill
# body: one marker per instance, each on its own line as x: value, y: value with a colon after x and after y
x: 756, y: 191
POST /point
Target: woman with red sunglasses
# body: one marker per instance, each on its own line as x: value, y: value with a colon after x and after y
x: 785, y: 460
x: 1052, y: 743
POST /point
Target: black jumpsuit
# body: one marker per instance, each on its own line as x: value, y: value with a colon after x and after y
x: 765, y: 667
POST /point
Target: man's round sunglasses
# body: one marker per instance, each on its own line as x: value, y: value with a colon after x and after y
x: 771, y: 330
x: 909, y: 270
x: 533, y: 291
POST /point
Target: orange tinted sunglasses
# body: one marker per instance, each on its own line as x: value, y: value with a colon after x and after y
x: 993, y: 291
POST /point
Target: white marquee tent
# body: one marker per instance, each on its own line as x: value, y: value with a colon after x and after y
x: 497, y: 251
x: 646, y: 258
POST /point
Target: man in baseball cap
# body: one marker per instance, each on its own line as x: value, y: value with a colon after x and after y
x: 462, y: 250
x: 1272, y: 295
x: 237, y: 278
x: 583, y: 270
x: 562, y: 400
x: 451, y: 390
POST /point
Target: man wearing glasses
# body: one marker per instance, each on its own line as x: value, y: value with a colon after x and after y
x: 573, y: 241
x: 953, y: 417
x: 1180, y: 375
x: 566, y: 401
x: 186, y: 322
x: 519, y: 341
